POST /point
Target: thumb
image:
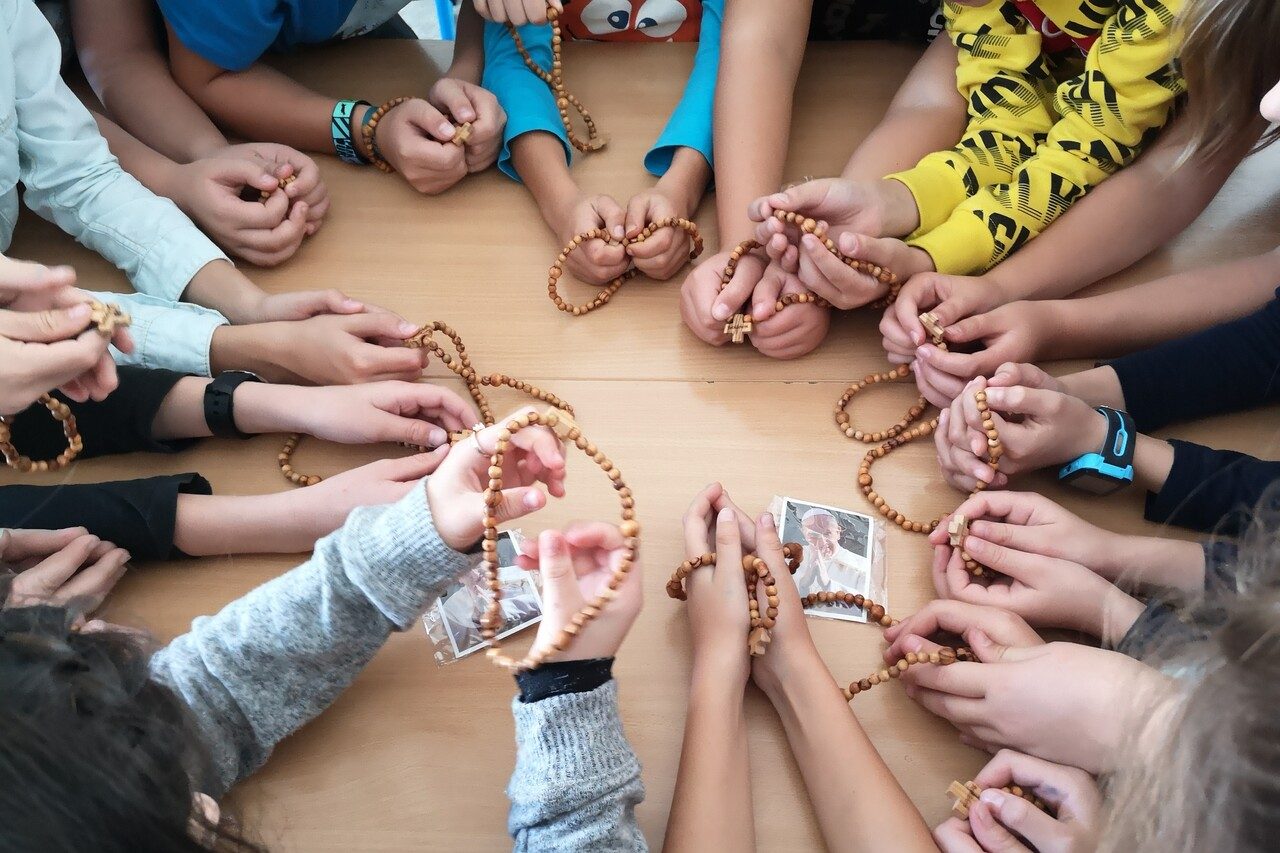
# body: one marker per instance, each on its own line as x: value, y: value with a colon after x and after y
x: 736, y: 292
x: 637, y: 214
x: 967, y: 330
x: 380, y: 324
x: 57, y: 324
x: 988, y: 650
x: 411, y: 431
x: 519, y: 502
x: 456, y: 103
x: 559, y: 581
x: 612, y: 216
x: 241, y: 173
x: 800, y: 198
x: 878, y: 250
x: 428, y: 119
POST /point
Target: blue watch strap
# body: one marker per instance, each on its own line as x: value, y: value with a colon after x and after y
x: 1114, y: 461
x: 340, y: 130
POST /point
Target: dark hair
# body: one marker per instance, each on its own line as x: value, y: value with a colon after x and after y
x: 94, y: 754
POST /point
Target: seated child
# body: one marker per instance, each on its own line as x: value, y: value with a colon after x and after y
x: 215, y: 56
x: 536, y: 147
x: 144, y: 744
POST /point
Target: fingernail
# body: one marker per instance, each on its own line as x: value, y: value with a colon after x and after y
x: 80, y: 312
x: 446, y: 129
x: 809, y: 241
x: 438, y: 437
x: 720, y: 311
x: 766, y: 521
x: 127, y: 556
x: 351, y: 304
x: 406, y: 328
x: 993, y: 797
x: 531, y: 500
x: 726, y: 514
x: 912, y: 644
x: 618, y: 231
x: 922, y: 353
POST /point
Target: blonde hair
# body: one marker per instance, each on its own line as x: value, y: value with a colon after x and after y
x: 1230, y: 59
x: 1204, y: 774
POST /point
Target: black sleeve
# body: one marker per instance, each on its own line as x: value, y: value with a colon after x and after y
x: 137, y: 515
x: 1211, y: 490
x: 560, y: 677
x: 119, y: 424
x: 1227, y: 368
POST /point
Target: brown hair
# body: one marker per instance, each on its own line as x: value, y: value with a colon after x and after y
x: 1230, y: 59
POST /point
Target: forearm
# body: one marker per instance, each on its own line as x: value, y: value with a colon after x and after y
x: 539, y: 160
x: 761, y: 49
x: 1124, y: 321
x: 220, y: 286
x: 1099, y: 386
x: 255, y: 347
x: 1152, y: 461
x: 1154, y: 561
x: 154, y: 170
x: 847, y: 781
x: 686, y: 180
x: 242, y: 524
x: 468, y: 47
x: 711, y: 806
x: 1125, y: 218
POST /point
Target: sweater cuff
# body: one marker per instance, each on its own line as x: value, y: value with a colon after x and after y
x: 574, y: 737
x: 399, y: 560
x: 1152, y: 622
x: 563, y: 677
x: 937, y: 189
x: 960, y: 246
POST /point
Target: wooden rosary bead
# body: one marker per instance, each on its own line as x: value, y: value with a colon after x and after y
x: 369, y: 133
x: 555, y: 79
x: 606, y: 293
x: 755, y: 572
x: 459, y: 364
x: 967, y: 793
x: 107, y: 318
x: 741, y: 324
x: 281, y: 183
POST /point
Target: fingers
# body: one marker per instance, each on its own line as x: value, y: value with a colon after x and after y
x: 728, y: 548
x: 56, y: 324
x: 611, y: 216
x: 988, y: 831
x: 559, y: 580
x: 954, y: 836
x: 89, y: 587
x: 957, y: 617
x: 956, y: 679
x: 639, y: 213
x: 430, y: 121
x: 42, y: 581
x: 697, y: 521
x: 764, y: 299
x: 731, y: 299
x: 957, y: 710
x: 1052, y: 782
x: 61, y: 362
x: 20, y: 278
x: 17, y: 545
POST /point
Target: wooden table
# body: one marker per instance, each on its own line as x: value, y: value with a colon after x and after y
x: 417, y: 757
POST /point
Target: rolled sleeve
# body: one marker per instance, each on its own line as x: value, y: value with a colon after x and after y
x: 231, y: 35
x: 527, y: 100
x: 690, y: 125
x: 166, y: 335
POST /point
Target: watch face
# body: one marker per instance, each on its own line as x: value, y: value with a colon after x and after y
x: 1092, y: 482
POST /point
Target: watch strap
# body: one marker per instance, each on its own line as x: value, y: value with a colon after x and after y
x: 219, y: 403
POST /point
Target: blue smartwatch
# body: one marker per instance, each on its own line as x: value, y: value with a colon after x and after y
x: 1111, y: 468
x: 340, y: 131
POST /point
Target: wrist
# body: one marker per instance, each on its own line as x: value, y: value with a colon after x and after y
x: 715, y: 662
x: 1099, y: 386
x: 1089, y: 438
x: 170, y: 181
x: 1116, y: 616
x: 220, y: 286
x: 787, y: 675
x: 685, y: 181
x: 901, y: 213
x: 262, y: 408
x: 250, y: 347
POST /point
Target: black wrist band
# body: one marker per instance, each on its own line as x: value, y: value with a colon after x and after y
x: 561, y: 677
x: 219, y: 402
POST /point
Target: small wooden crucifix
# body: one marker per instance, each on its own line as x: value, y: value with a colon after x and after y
x: 738, y: 328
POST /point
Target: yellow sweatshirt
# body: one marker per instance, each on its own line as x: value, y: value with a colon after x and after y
x: 1034, y: 145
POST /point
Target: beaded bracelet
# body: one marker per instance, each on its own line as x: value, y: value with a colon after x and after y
x: 107, y: 318
x: 340, y: 132
x: 369, y: 131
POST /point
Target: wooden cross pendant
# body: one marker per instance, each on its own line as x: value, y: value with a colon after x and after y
x: 738, y: 328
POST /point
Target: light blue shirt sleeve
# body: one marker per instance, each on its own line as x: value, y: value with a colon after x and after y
x: 166, y: 335
x: 527, y: 100
x: 73, y: 180
x: 690, y: 125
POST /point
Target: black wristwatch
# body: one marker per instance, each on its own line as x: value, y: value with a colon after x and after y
x: 1111, y: 468
x: 219, y: 402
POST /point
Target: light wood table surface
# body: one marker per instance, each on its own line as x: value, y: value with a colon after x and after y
x: 417, y: 757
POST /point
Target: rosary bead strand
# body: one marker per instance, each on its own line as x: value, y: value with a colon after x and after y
x: 555, y: 79
x: 460, y: 364
x: 369, y: 133
x: 741, y: 324
x: 107, y: 318
x: 492, y: 621
x: 967, y: 793
x: 606, y: 293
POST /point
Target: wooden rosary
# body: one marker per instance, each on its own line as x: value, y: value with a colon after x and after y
x: 492, y: 621
x: 107, y: 318
x: 555, y: 79
x: 755, y: 571
x: 966, y: 793
x: 369, y: 133
x: 460, y: 365
x: 605, y: 294
x: 741, y: 324
x: 904, y: 432
x: 281, y: 183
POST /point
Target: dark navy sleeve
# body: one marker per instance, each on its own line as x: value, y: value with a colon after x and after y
x: 1211, y: 490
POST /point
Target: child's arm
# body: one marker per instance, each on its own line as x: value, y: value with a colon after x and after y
x: 576, y: 783
x: 847, y: 780
x: 118, y: 46
x: 274, y: 659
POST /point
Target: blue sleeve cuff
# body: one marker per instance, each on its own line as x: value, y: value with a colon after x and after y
x: 166, y: 335
x: 690, y: 125
x: 527, y: 100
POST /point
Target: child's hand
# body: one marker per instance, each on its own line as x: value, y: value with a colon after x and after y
x: 303, y: 304
x: 281, y: 161
x: 467, y: 102
x: 576, y: 566
x: 791, y: 645
x: 317, y: 511
x: 416, y: 139
x: 1010, y: 333
x: 60, y: 567
x: 874, y: 208
x: 950, y: 298
x: 997, y: 817
x: 704, y: 308
x: 662, y: 255
x: 456, y: 492
x: 414, y: 413
x: 331, y: 349
x: 1050, y: 428
x: 595, y: 261
x: 717, y: 596
x: 943, y: 616
x: 517, y: 12
x: 1065, y: 702
x: 822, y: 273
x: 795, y: 331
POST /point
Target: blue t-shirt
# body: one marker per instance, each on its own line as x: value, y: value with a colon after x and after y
x: 234, y: 34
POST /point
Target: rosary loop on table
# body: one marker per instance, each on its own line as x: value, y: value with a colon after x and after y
x: 107, y: 318
x: 606, y: 293
x: 460, y: 365
x: 741, y: 324
x: 555, y: 79
x: 906, y: 431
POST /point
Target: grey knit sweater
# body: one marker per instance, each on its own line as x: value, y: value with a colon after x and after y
x: 271, y: 661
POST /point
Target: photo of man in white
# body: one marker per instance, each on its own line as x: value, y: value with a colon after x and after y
x: 827, y: 566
